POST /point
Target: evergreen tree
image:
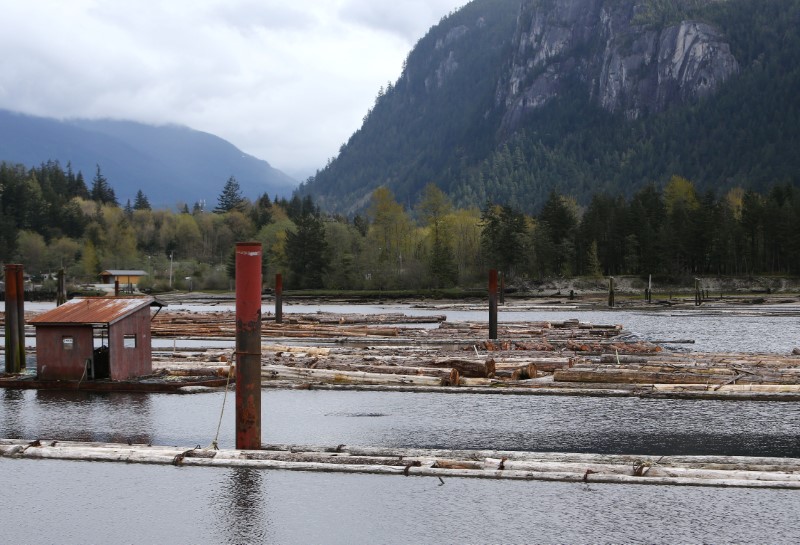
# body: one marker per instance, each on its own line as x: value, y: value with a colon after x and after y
x: 261, y: 213
x: 503, y: 237
x: 230, y: 198
x: 141, y: 202
x: 306, y: 251
x: 433, y: 207
x: 102, y: 192
x: 442, y: 264
x: 593, y: 267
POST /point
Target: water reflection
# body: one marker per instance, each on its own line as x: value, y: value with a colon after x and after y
x: 244, y: 514
x: 79, y: 416
x: 11, y: 412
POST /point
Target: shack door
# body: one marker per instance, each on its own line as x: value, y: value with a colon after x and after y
x: 102, y: 367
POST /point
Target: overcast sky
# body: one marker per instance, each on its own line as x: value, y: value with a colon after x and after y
x: 286, y: 81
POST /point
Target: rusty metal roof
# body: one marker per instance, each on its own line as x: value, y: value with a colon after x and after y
x: 93, y: 310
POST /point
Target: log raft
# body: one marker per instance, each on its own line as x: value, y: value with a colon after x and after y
x: 323, y: 350
x: 716, y: 471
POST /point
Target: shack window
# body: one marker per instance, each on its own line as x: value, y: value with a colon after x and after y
x: 67, y: 343
x: 129, y: 341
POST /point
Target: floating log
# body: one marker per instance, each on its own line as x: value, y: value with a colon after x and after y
x: 272, y: 372
x: 467, y: 368
x: 639, y: 376
x: 697, y: 471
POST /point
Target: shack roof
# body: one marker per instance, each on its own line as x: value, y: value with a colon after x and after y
x: 94, y: 311
x: 123, y: 272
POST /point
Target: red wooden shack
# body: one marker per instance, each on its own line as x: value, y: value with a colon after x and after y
x: 65, y: 339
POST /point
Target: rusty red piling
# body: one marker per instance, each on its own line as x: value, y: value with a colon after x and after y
x: 493, y: 304
x: 13, y: 354
x: 248, y: 345
x: 278, y: 298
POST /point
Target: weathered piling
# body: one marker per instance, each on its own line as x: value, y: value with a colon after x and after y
x: 611, y: 291
x: 493, y: 304
x: 278, y: 298
x: 12, y: 329
x: 21, y: 314
x: 61, y: 291
x: 248, y: 345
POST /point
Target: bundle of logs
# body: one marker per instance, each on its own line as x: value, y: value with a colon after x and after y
x: 719, y: 471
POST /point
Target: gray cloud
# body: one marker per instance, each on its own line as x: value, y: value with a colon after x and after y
x: 410, y: 19
x: 286, y: 82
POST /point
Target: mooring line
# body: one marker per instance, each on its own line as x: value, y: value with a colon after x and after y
x: 214, y: 443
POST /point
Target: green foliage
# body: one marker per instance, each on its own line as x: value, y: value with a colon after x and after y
x: 661, y: 13
x: 261, y: 213
x: 102, y: 192
x: 306, y: 250
x: 503, y: 238
x: 230, y: 198
x: 676, y: 230
x: 141, y: 202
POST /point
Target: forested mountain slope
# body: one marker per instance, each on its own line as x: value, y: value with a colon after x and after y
x: 506, y: 101
x: 171, y: 164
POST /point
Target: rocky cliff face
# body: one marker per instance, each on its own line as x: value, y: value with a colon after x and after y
x: 626, y: 64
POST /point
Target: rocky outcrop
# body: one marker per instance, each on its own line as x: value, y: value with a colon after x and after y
x: 624, y: 64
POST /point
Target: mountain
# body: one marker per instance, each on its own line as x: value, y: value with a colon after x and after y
x: 505, y: 102
x: 171, y: 164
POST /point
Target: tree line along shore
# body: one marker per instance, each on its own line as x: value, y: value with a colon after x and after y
x: 53, y: 219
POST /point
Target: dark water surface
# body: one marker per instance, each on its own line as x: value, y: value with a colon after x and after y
x: 425, y: 420
x: 82, y: 502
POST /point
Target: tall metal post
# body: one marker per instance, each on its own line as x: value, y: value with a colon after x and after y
x: 493, y: 304
x: 12, y: 322
x: 21, y: 314
x: 278, y: 298
x: 248, y: 345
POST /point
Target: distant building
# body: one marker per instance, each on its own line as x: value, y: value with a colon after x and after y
x: 65, y: 339
x: 124, y: 277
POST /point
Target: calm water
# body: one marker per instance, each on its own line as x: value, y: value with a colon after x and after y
x: 73, y: 502
x: 425, y: 420
x: 80, y: 502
